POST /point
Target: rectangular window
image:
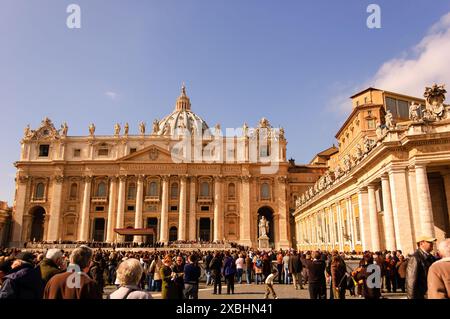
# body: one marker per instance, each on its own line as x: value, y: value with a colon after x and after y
x: 403, y: 109
x: 173, y: 208
x: 371, y: 124
x: 133, y: 150
x: 44, y: 150
x: 76, y: 152
x: 204, y: 208
x: 103, y: 152
x: 99, y: 208
x: 130, y: 208
x: 391, y: 105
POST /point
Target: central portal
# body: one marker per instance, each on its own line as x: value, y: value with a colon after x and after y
x: 267, y: 213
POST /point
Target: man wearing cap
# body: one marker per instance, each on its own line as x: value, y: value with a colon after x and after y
x: 51, y: 264
x: 417, y: 268
x: 24, y: 281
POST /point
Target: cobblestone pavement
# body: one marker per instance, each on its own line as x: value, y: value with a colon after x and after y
x: 253, y: 291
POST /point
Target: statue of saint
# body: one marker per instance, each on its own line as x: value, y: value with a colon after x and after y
x: 117, y: 129
x: 414, y: 112
x: 126, y: 128
x: 91, y: 129
x: 142, y: 128
x: 64, y: 129
x: 389, y: 120
x: 155, y: 126
x: 263, y: 227
x: 27, y: 131
x: 245, y: 130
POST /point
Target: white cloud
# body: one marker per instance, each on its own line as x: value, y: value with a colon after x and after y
x: 112, y: 95
x: 420, y: 66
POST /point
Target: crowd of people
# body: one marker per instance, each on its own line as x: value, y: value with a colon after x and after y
x: 84, y: 272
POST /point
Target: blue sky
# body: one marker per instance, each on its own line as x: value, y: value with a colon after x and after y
x: 290, y: 61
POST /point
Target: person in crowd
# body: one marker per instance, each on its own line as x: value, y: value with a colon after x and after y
x: 439, y: 273
x: 5, y: 268
x: 207, y: 260
x: 269, y: 285
x: 279, y: 261
x: 258, y: 266
x: 267, y: 265
x: 248, y: 268
x: 229, y: 271
x: 96, y: 271
x: 156, y: 265
x: 239, y: 268
x: 295, y: 269
x: 191, y: 278
x: 401, y: 272
x: 317, y: 281
x: 338, y: 277
x: 169, y: 290
x: 52, y: 264
x: 178, y: 269
x: 361, y: 275
x: 24, y: 280
x: 216, y: 266
x: 287, y: 278
x: 304, y: 258
x: 417, y: 268
x: 129, y: 274
x: 75, y: 283
x: 391, y: 273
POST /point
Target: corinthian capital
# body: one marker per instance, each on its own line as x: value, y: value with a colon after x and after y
x: 218, y: 179
x: 58, y: 179
x: 165, y: 178
x: 140, y: 178
x: 282, y: 179
x: 123, y: 178
x: 23, y: 179
x: 245, y: 178
x: 87, y: 179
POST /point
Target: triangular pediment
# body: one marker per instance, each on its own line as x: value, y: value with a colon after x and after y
x: 152, y: 154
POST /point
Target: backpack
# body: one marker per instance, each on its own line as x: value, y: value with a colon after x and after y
x: 258, y: 263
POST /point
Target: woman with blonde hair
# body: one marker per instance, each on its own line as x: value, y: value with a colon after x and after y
x: 129, y: 275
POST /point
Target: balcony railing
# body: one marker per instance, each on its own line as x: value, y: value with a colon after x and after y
x: 99, y: 199
x: 204, y: 199
x: 38, y: 200
x: 151, y: 199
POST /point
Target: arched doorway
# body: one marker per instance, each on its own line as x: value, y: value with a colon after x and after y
x: 205, y: 229
x: 99, y: 229
x: 173, y: 233
x: 267, y: 212
x: 152, y: 222
x: 37, y: 223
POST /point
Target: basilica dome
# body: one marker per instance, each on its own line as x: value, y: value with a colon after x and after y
x: 181, y: 120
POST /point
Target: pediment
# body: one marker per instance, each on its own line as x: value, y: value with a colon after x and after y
x: 151, y: 154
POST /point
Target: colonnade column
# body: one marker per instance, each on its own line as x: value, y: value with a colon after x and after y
x: 121, y: 206
x: 425, y: 208
x: 55, y: 209
x: 245, y: 220
x: 373, y: 217
x: 389, y: 230
x: 164, y: 231
x: 111, y: 209
x: 218, y: 212
x: 182, y: 209
x: 363, y: 204
x: 139, y: 200
x: 84, y: 221
x: 283, y: 213
x: 192, y: 209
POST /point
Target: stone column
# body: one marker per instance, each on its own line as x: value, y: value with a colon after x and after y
x: 373, y: 218
x: 192, y: 209
x: 446, y: 178
x: 19, y: 230
x: 218, y: 213
x: 85, y: 210
x: 425, y: 208
x: 139, y: 201
x: 340, y: 227
x: 351, y: 219
x: 111, y: 210
x: 245, y: 220
x: 363, y: 203
x: 401, y: 210
x: 121, y: 206
x: 389, y: 230
x: 55, y: 209
x: 164, y: 231
x: 182, y: 209
x: 283, y: 212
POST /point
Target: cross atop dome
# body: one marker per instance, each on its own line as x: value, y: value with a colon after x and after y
x: 183, y: 101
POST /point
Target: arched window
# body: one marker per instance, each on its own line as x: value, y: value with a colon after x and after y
x: 204, y: 189
x: 174, y: 191
x: 264, y: 150
x: 152, y: 189
x: 265, y: 191
x: 73, y: 191
x: 101, y: 189
x: 131, y: 191
x: 39, y: 191
x: 231, y: 191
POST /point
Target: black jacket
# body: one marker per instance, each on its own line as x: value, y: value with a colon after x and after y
x: 416, y: 274
x: 295, y: 265
x: 216, y: 265
x: 24, y: 282
x: 316, y: 270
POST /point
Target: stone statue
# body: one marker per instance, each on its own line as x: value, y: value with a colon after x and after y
x: 245, y: 130
x: 217, y: 130
x: 414, y: 114
x: 389, y: 119
x: 281, y: 133
x: 166, y: 129
x: 359, y: 152
x: 434, y: 102
x: 347, y: 163
x: 27, y: 131
x: 91, y: 129
x: 263, y: 227
x: 64, y: 129
x: 117, y: 129
x: 155, y: 127
x: 126, y: 128
x: 142, y: 128
x: 368, y: 145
